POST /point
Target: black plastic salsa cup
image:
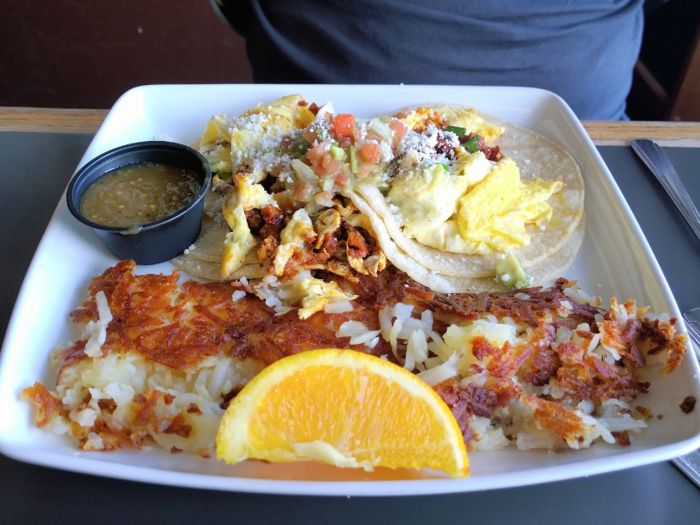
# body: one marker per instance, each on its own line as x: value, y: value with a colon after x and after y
x: 157, y: 241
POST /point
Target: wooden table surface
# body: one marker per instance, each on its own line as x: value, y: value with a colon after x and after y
x: 678, y: 134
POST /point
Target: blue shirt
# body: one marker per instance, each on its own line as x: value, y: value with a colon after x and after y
x: 582, y: 50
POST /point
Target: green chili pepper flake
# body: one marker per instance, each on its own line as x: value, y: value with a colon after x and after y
x: 299, y: 147
x: 445, y: 167
x: 456, y: 130
x: 473, y: 144
x: 321, y: 133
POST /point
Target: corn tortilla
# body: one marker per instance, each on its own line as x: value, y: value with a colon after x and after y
x: 535, y: 156
x: 541, y: 272
x: 212, y: 271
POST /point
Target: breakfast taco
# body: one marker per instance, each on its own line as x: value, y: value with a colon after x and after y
x: 429, y: 189
x: 548, y: 269
x: 456, y: 204
x: 277, y: 207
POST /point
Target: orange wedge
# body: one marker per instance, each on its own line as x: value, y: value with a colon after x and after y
x: 345, y: 408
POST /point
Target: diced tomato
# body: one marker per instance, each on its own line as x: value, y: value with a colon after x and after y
x: 343, y: 124
x: 318, y: 150
x: 310, y: 135
x: 399, y: 129
x: 322, y: 161
x: 369, y: 152
x: 326, y: 165
x: 318, y: 131
x: 343, y: 176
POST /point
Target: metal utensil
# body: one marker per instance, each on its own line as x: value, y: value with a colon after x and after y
x: 657, y: 162
x: 692, y: 321
x: 690, y: 463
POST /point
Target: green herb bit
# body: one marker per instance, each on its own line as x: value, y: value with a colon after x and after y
x: 321, y: 133
x: 456, y: 130
x: 473, y: 144
x: 299, y: 147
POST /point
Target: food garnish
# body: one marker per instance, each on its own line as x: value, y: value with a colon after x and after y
x: 510, y: 272
x: 345, y: 408
x: 460, y: 201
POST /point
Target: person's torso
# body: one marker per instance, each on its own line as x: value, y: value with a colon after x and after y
x: 583, y: 50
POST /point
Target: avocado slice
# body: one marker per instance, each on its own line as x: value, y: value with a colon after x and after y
x: 511, y: 274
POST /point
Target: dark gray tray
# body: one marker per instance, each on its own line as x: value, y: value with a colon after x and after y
x: 674, y: 243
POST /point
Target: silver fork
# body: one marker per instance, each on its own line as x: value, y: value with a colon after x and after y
x: 690, y: 463
x: 659, y: 164
x: 692, y: 321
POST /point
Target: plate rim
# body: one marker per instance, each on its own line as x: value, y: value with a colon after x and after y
x: 360, y: 488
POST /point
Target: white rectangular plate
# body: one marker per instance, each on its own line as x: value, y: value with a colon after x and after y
x: 615, y: 260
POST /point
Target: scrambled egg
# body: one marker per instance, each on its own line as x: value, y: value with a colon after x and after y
x: 215, y: 144
x: 473, y: 123
x: 242, y: 197
x: 239, y: 241
x: 495, y: 211
x: 247, y: 194
x: 473, y: 167
x: 484, y: 209
x: 354, y: 217
x: 464, y: 204
x: 317, y: 294
x: 327, y: 223
x: 228, y: 144
x: 419, y: 119
x: 292, y: 108
x: 314, y: 294
x: 428, y: 198
x: 297, y: 235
